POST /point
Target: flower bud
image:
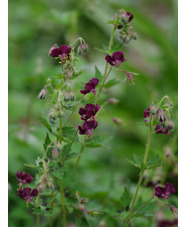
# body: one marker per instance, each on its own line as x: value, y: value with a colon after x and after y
x: 153, y: 109
x: 58, y: 146
x: 42, y: 93
x: 66, y: 96
x: 161, y: 115
x: 72, y: 95
x: 85, y: 48
x: 124, y: 18
x: 134, y: 36
x: 53, y: 115
x: 174, y: 210
x: 55, y: 154
x: 60, y: 114
x: 113, y: 101
x: 117, y: 121
x: 52, y: 48
x: 126, y: 40
x: 80, y: 50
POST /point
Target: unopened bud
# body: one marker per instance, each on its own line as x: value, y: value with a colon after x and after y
x: 58, y: 146
x: 60, y: 114
x: 161, y: 115
x: 113, y: 101
x: 42, y: 94
x: 66, y: 96
x: 52, y: 48
x: 85, y: 48
x: 102, y: 224
x: 80, y: 50
x: 72, y: 95
x: 53, y: 115
x: 153, y: 109
x: 170, y: 124
x: 55, y: 154
x: 126, y: 40
x: 134, y: 36
x: 174, y: 210
x: 117, y: 121
x: 124, y: 18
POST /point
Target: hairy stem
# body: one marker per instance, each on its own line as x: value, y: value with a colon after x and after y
x: 106, y: 66
x: 78, y: 159
x: 141, y: 174
x: 148, y: 201
x: 63, y: 203
x: 38, y: 216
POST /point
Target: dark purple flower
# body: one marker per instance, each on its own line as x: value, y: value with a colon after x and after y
x: 87, y: 127
x: 162, y: 130
x: 116, y: 59
x: 89, y: 111
x: 27, y: 194
x: 167, y: 223
x: 24, y: 178
x: 130, y: 16
x: 164, y: 192
x: 90, y: 86
x: 63, y: 51
x: 146, y: 113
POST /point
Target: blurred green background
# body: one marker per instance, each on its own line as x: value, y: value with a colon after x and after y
x: 34, y: 26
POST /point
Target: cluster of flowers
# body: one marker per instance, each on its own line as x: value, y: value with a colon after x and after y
x: 126, y: 30
x: 164, y: 124
x: 25, y: 193
x: 89, y: 111
x: 164, y: 192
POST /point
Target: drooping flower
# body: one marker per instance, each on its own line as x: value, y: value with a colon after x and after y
x: 164, y: 192
x: 89, y: 111
x: 87, y: 127
x: 126, y: 17
x: 90, y: 86
x: 159, y: 129
x: 116, y: 59
x: 146, y: 113
x: 63, y: 51
x: 167, y: 223
x: 27, y: 193
x: 24, y: 178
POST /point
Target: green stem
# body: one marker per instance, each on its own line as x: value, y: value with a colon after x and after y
x: 140, y: 208
x: 70, y: 146
x: 63, y: 203
x: 73, y: 111
x: 142, y: 172
x: 51, y: 221
x: 78, y: 159
x: 38, y: 216
x: 106, y: 66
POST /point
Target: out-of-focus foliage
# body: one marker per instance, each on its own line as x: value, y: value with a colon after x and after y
x: 34, y: 26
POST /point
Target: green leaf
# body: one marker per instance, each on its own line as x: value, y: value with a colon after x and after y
x: 68, y: 131
x: 97, y: 141
x: 56, y: 169
x: 133, y: 163
x: 111, y: 83
x: 98, y: 74
x: 125, y: 198
x: 110, y: 22
x: 30, y: 165
x: 59, y: 75
x: 111, y: 211
x: 47, y: 142
x: 46, y: 211
x: 71, y: 105
x: 45, y: 123
x: 65, y: 150
x: 153, y: 161
x: 147, y: 210
x: 72, y: 155
x: 137, y: 160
